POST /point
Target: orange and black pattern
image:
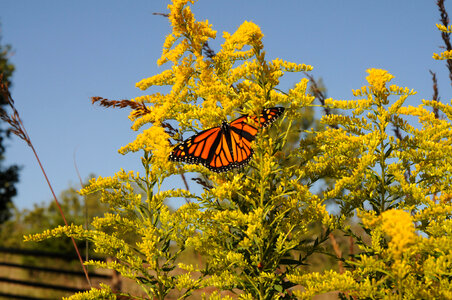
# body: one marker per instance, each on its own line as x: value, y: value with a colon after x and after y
x: 227, y: 146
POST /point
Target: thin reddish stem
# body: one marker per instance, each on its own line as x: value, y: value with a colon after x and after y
x: 18, y: 128
x: 61, y: 212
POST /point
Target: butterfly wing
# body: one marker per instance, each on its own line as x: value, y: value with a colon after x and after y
x: 221, y: 157
x: 268, y: 116
x: 244, y: 130
x: 197, y: 149
x: 242, y: 134
x: 209, y: 148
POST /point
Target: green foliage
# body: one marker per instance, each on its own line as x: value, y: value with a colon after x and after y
x: 46, y: 215
x: 257, y: 228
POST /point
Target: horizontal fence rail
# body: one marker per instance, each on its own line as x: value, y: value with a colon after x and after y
x: 13, y: 296
x: 41, y: 285
x: 59, y: 271
x: 63, y: 288
x: 39, y: 253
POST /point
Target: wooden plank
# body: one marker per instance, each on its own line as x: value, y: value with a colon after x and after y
x: 59, y: 271
x: 41, y: 285
x: 65, y: 256
x: 20, y: 297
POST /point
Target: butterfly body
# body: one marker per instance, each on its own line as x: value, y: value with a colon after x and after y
x: 225, y: 147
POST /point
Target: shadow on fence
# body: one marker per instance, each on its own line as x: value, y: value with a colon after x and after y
x: 32, y: 275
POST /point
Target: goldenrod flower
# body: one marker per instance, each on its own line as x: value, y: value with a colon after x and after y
x: 443, y: 55
x: 397, y: 225
x: 247, y: 34
x: 153, y: 140
x: 378, y: 79
x: 443, y: 28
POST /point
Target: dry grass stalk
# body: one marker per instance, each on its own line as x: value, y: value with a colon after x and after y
x: 338, y: 252
x: 18, y: 129
x: 139, y: 107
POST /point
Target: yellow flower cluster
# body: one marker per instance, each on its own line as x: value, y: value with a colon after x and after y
x: 289, y: 66
x: 216, y: 295
x: 397, y: 225
x: 396, y: 90
x: 71, y: 230
x: 154, y: 140
x: 224, y: 191
x: 247, y: 70
x: 127, y: 269
x: 185, y: 281
x: 315, y: 283
x: 247, y: 34
x: 116, y: 221
x: 99, y: 184
x: 443, y: 28
x: 254, y: 227
x: 443, y: 55
x: 104, y: 292
x: 224, y: 281
x: 149, y: 246
x: 445, y: 108
x: 172, y: 55
x: 417, y: 111
x: 164, y: 78
x: 298, y: 94
x: 362, y: 104
x: 446, y: 54
x: 184, y: 24
x: 435, y: 210
x: 378, y: 79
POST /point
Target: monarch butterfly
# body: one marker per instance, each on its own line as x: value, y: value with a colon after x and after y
x: 225, y: 147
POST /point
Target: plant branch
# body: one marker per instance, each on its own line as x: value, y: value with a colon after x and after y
x: 435, y: 93
x: 446, y: 36
x: 319, y: 94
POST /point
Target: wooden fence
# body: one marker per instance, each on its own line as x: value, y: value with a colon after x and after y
x: 33, y: 275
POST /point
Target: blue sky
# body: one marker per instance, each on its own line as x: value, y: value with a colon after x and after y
x: 69, y: 51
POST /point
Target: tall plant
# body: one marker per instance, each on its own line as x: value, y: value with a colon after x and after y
x: 398, y: 185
